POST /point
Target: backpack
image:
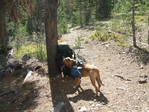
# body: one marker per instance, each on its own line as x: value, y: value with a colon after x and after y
x: 76, y: 71
x: 63, y: 51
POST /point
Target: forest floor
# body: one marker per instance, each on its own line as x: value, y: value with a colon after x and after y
x: 123, y: 71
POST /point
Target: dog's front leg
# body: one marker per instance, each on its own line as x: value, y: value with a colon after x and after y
x: 77, y: 82
x: 77, y: 85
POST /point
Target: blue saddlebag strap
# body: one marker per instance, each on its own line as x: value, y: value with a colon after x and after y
x: 76, y: 71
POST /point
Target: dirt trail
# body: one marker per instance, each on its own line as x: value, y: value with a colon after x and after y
x: 120, y: 72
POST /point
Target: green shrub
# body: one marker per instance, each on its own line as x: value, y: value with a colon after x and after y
x: 100, y: 35
x: 26, y: 49
x: 104, y: 35
x: 85, y: 41
x: 77, y: 43
x: 40, y: 52
x: 35, y: 50
x: 19, y: 36
x: 94, y: 35
x: 2, y: 58
x: 62, y: 27
x: 122, y: 43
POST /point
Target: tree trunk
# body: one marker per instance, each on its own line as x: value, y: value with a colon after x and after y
x: 148, y: 32
x: 133, y: 26
x: 96, y: 10
x: 29, y: 24
x: 80, y: 14
x: 3, y: 32
x: 51, y: 35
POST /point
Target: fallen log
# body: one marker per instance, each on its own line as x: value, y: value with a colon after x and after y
x: 8, y: 92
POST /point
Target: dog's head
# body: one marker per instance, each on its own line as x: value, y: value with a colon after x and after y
x: 69, y: 62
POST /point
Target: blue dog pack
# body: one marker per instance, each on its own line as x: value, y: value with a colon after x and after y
x: 76, y: 71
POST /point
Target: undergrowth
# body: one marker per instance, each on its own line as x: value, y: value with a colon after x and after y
x: 77, y: 43
x: 34, y: 50
x: 2, y: 58
x: 118, y: 28
x: 105, y: 35
x: 144, y: 55
x: 1, y: 90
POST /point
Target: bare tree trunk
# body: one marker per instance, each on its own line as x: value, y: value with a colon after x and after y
x: 29, y: 24
x: 51, y: 35
x: 30, y: 21
x: 96, y: 10
x: 3, y: 32
x: 148, y: 32
x: 133, y: 26
x: 80, y: 12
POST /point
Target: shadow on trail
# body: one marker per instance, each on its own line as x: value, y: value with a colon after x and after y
x: 15, y: 96
x: 89, y: 95
x: 141, y: 54
x: 59, y: 88
x: 144, y: 55
x: 102, y: 99
x: 62, y: 91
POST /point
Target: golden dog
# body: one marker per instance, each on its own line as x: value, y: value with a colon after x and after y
x: 87, y: 70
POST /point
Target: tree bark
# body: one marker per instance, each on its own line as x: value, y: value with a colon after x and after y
x: 3, y: 32
x: 148, y: 32
x: 51, y: 35
x: 96, y: 10
x: 133, y: 26
x: 80, y: 14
